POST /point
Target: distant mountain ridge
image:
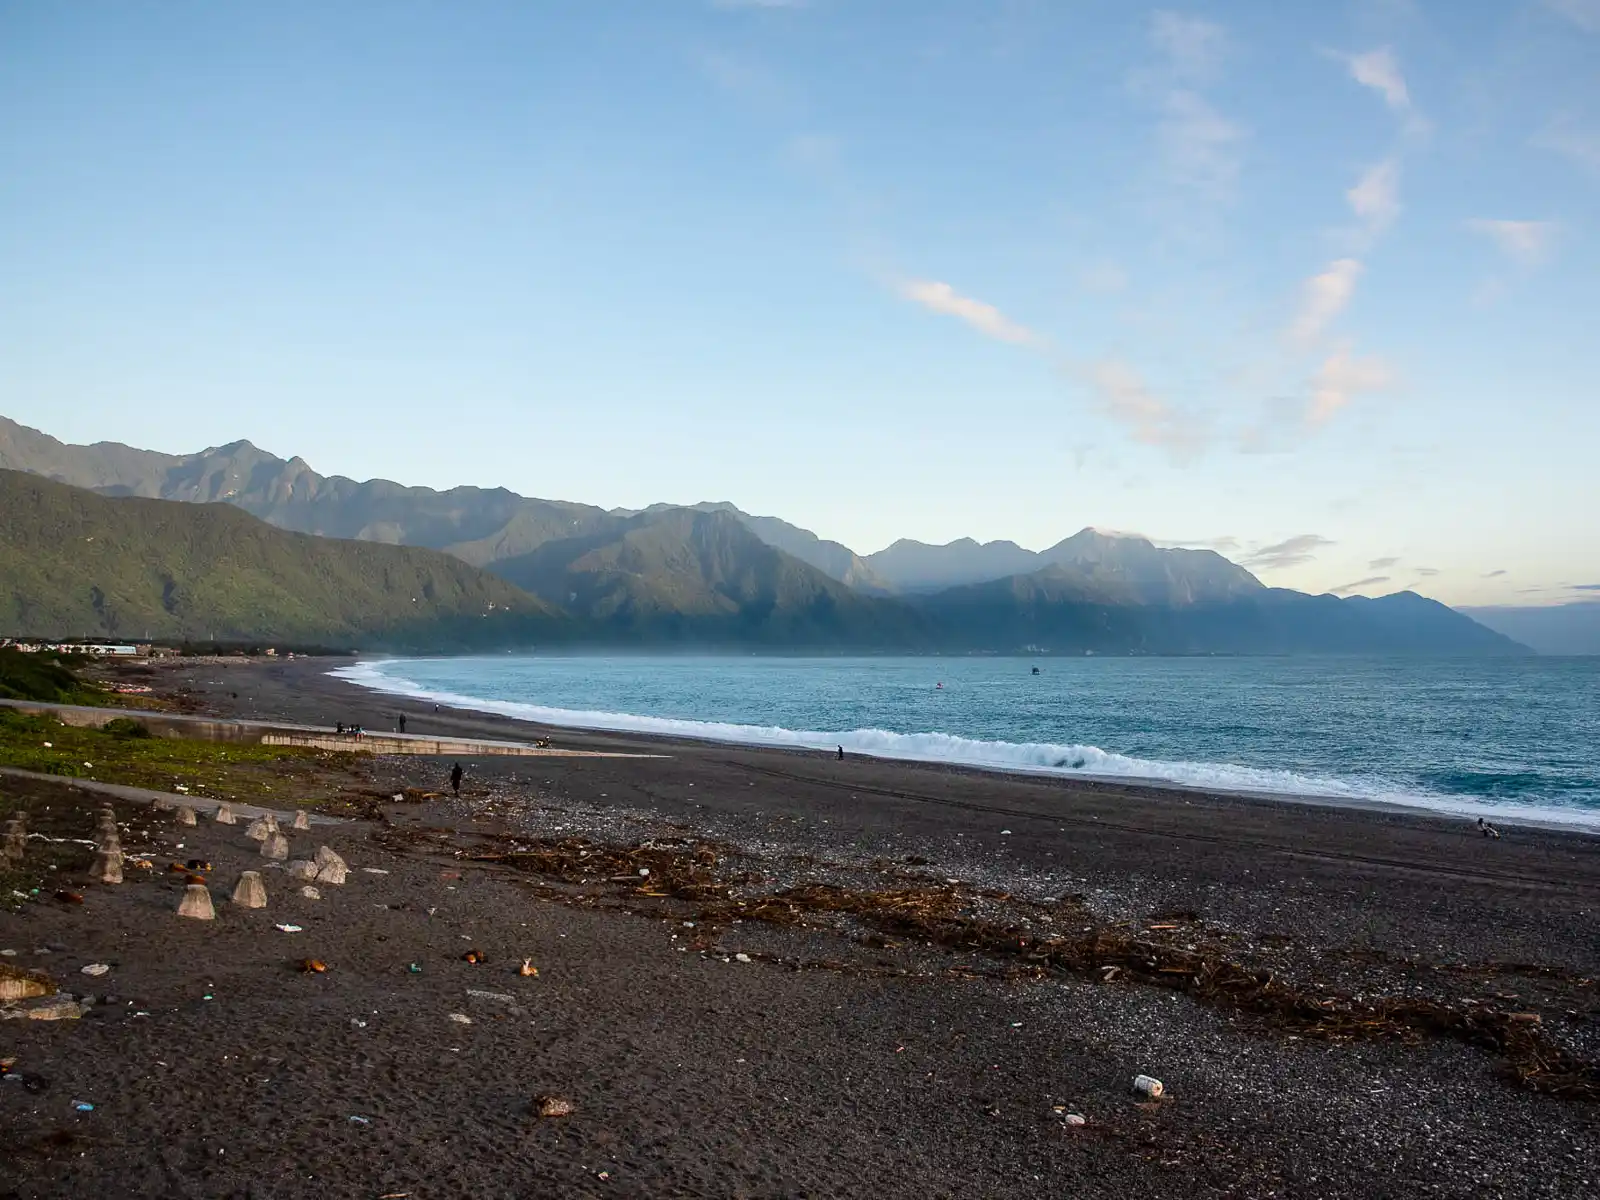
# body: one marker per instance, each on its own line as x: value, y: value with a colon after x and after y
x: 711, y: 574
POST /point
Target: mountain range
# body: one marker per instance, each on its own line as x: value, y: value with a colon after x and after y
x: 707, y: 574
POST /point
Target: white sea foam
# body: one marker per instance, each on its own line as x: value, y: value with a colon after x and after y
x: 1032, y: 757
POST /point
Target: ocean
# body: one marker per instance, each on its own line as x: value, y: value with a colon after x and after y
x: 1504, y: 738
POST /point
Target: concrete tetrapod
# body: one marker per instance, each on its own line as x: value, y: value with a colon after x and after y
x: 196, y: 903
x: 333, y: 872
x: 275, y: 847
x: 250, y: 892
x: 301, y: 821
x: 107, y: 866
x: 326, y: 855
x: 302, y: 868
x: 224, y: 815
x: 258, y: 830
x: 185, y: 815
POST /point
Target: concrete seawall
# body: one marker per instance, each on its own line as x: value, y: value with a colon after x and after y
x: 278, y: 733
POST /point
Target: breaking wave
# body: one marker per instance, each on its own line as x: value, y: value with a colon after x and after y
x: 1031, y: 757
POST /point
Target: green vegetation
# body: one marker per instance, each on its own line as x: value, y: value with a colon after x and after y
x: 277, y: 775
x: 43, y: 677
x: 75, y: 562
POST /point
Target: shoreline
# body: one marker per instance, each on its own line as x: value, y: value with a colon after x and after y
x: 1518, y: 816
x: 767, y: 972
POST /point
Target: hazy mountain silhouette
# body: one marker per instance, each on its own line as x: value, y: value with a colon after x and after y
x: 1572, y: 628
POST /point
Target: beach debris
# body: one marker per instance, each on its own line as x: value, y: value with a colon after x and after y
x: 258, y: 830
x: 18, y: 983
x: 527, y: 970
x: 197, y: 864
x: 475, y: 957
x: 224, y: 815
x: 301, y: 821
x: 553, y: 1106
x: 461, y: 1018
x: 82, y: 1106
x: 497, y: 997
x: 1075, y: 1120
x: 107, y: 865
x: 302, y: 868
x: 312, y: 966
x: 57, y: 1008
x: 275, y: 847
x: 374, y: 871
x: 354, y: 1120
x: 250, y: 891
x: 67, y: 897
x: 744, y: 958
x: 1149, y: 1085
x: 186, y: 815
x: 97, y: 969
x: 310, y: 893
x: 196, y: 903
x: 288, y: 928
x: 414, y: 968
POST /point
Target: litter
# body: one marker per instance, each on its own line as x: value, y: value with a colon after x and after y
x: 553, y: 1106
x: 498, y: 997
x: 1148, y: 1085
x: 82, y: 1106
x: 97, y: 968
x: 288, y: 928
x: 527, y: 970
x: 1075, y: 1119
x: 360, y: 1121
x: 374, y: 870
x: 461, y: 1018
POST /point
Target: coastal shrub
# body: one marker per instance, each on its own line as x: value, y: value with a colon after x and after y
x: 39, y: 677
x: 126, y: 727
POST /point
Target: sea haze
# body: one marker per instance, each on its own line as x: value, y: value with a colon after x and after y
x: 1513, y: 738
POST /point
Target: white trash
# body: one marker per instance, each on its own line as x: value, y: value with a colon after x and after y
x: 1148, y: 1085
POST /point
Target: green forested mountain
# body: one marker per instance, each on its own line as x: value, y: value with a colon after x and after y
x: 683, y: 574
x: 76, y: 563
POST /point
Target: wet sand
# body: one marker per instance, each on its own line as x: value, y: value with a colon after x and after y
x: 837, y: 1062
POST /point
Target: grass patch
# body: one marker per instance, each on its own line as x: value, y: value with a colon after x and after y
x: 42, y: 677
x: 277, y: 775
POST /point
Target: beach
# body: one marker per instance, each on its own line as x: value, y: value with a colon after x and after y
x: 835, y: 978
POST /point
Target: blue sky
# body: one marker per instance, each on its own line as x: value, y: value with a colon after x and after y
x: 1314, y: 284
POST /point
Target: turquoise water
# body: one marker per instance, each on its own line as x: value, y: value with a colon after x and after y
x: 1515, y: 737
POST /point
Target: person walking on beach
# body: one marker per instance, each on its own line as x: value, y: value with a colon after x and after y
x: 841, y: 753
x: 455, y: 779
x: 402, y: 722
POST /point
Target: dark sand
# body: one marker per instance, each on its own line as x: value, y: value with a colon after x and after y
x: 897, y: 1069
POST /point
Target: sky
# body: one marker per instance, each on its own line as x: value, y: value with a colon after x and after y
x: 1313, y: 285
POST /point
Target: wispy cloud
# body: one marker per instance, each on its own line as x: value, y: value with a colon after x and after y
x: 1495, y: 574
x: 1526, y: 243
x: 1426, y: 572
x: 1219, y: 544
x: 1345, y: 589
x: 1323, y: 298
x: 1380, y: 70
x: 1375, y: 198
x: 1291, y: 552
x: 1574, y: 142
x: 1198, y: 148
x: 1340, y: 379
x: 1585, y: 14
x: 1127, y: 399
x: 1382, y: 564
x: 1586, y: 587
x: 985, y: 318
x: 1193, y: 46
x: 737, y: 4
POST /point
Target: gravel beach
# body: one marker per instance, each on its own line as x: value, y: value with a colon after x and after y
x: 787, y: 975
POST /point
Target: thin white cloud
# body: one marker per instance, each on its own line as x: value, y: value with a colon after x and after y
x: 1323, y: 298
x: 1585, y: 14
x: 1375, y: 198
x: 1339, y: 380
x: 1380, y: 70
x: 1127, y: 399
x: 736, y: 4
x: 1344, y: 589
x: 1194, y: 47
x: 985, y: 318
x: 1291, y: 552
x: 1526, y: 243
x: 1200, y: 148
x: 1572, y: 141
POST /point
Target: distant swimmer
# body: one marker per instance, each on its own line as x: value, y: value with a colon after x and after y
x: 841, y: 753
x: 1036, y: 670
x: 1488, y: 830
x: 939, y: 687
